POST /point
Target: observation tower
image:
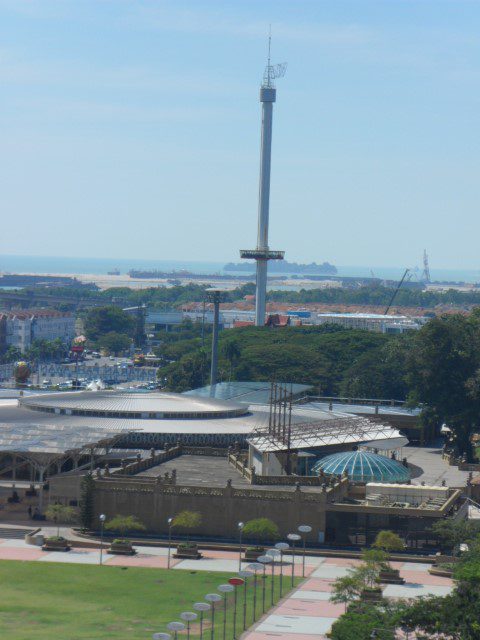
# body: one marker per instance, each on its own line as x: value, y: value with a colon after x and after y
x: 262, y: 253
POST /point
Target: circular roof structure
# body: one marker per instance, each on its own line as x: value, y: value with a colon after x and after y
x: 363, y: 466
x: 151, y: 406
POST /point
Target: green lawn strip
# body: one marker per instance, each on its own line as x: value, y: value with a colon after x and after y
x: 83, y: 602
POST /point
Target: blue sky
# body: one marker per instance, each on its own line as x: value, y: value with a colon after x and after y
x: 131, y: 129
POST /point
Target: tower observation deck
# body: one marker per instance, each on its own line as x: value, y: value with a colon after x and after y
x: 262, y: 253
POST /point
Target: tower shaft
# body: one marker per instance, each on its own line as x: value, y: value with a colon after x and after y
x: 267, y: 98
x: 262, y: 253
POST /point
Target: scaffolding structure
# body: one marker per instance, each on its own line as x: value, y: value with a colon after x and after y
x: 285, y: 431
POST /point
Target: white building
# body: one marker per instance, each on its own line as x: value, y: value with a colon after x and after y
x: 22, y: 327
x: 370, y: 321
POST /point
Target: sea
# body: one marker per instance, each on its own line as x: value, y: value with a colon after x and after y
x: 72, y: 266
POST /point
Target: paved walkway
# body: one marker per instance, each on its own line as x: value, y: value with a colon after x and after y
x: 427, y: 465
x: 305, y: 614
x: 308, y: 614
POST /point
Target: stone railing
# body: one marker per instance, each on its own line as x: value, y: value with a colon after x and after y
x: 142, y: 464
x: 240, y: 463
x: 306, y: 481
x: 379, y: 402
x: 203, y: 451
x: 469, y: 466
x: 454, y: 461
x: 158, y: 485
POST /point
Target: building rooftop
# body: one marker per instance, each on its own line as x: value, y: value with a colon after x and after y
x: 32, y: 440
x: 117, y: 404
x: 246, y: 392
x: 364, y: 316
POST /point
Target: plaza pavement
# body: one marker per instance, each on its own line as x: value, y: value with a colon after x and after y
x: 304, y: 614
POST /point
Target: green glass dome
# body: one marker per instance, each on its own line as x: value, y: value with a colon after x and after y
x: 362, y: 466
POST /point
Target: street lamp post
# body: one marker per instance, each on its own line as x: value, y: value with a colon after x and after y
x: 255, y: 567
x: 201, y: 607
x: 169, y: 522
x: 240, y: 531
x: 293, y: 537
x: 273, y: 553
x: 304, y: 529
x: 175, y: 627
x: 102, y: 517
x: 264, y: 560
x: 225, y: 589
x: 281, y: 546
x: 212, y: 598
x: 245, y: 574
x: 188, y: 617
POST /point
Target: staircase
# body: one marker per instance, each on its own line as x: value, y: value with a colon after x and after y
x: 14, y: 533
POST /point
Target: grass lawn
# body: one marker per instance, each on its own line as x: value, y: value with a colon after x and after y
x: 50, y: 601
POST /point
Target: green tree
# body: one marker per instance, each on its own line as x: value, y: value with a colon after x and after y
x: 188, y: 373
x: 362, y: 619
x: 187, y: 520
x: 232, y: 352
x: 113, y: 342
x: 12, y: 354
x: 346, y: 589
x: 261, y: 530
x: 102, y: 320
x: 388, y: 542
x: 87, y: 489
x: 456, y: 616
x: 443, y: 373
x: 60, y: 514
x: 451, y: 533
x: 124, y: 525
x: 46, y: 350
x: 374, y: 560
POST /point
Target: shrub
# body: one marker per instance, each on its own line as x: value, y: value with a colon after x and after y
x: 60, y: 514
x: 262, y: 529
x: 124, y: 524
x: 187, y: 520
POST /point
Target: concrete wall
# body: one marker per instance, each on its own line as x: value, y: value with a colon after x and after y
x: 64, y: 488
x: 221, y: 508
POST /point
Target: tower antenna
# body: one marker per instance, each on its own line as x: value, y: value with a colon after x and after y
x: 426, y: 267
x: 269, y: 48
x: 262, y: 253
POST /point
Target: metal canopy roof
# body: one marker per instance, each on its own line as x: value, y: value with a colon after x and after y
x: 50, y: 441
x: 245, y: 392
x: 319, y: 433
x: 156, y: 405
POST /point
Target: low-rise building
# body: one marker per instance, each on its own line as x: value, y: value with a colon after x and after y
x: 370, y: 321
x: 21, y: 327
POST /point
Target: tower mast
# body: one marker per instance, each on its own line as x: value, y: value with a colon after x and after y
x: 262, y: 253
x: 426, y: 267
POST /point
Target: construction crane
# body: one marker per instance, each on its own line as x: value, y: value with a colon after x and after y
x: 397, y: 289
